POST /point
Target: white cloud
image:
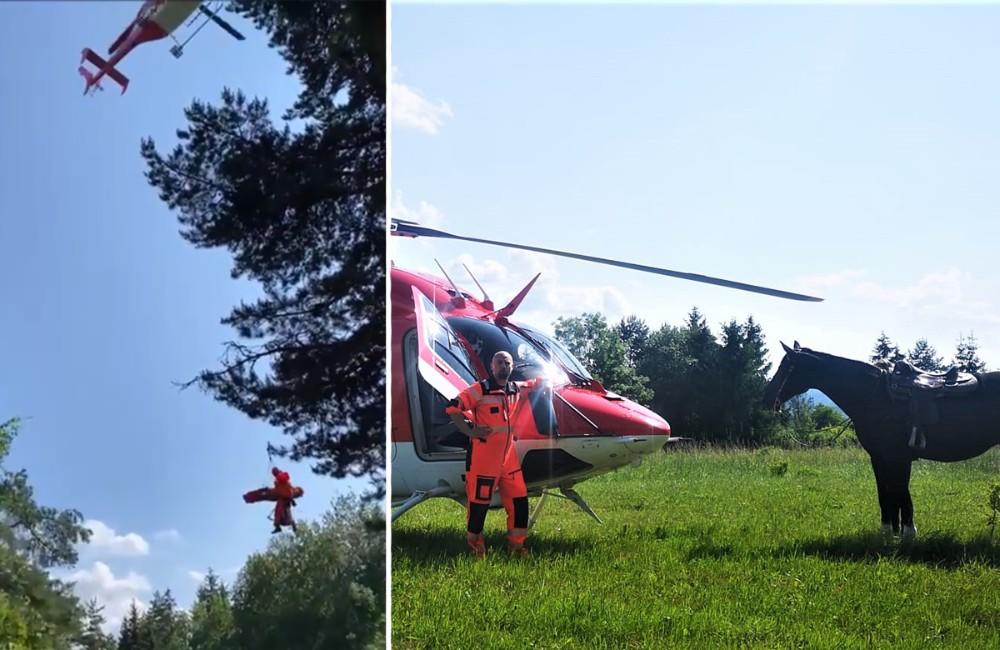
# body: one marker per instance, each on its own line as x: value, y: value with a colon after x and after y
x: 932, y: 288
x: 562, y: 298
x: 830, y: 280
x: 951, y: 292
x: 859, y: 305
x: 105, y: 541
x: 115, y: 594
x: 425, y: 213
x: 409, y: 108
x: 168, y: 535
x: 488, y: 272
x: 197, y: 576
x: 573, y: 301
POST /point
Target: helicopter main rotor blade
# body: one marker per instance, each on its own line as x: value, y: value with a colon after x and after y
x: 221, y: 23
x: 402, y: 228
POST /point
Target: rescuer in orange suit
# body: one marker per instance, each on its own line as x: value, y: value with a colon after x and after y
x: 285, y: 494
x: 492, y: 460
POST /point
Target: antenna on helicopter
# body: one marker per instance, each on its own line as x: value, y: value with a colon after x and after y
x: 486, y: 299
x: 459, y: 299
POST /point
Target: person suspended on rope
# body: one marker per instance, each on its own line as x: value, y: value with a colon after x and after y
x: 284, y: 494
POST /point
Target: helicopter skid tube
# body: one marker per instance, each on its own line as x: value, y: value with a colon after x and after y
x: 538, y: 510
x: 569, y: 494
x: 419, y: 497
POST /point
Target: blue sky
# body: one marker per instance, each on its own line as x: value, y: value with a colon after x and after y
x: 846, y: 152
x: 105, y: 305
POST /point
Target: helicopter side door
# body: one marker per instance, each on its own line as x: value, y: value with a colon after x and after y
x: 438, y: 368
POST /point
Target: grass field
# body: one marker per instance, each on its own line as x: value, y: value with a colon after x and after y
x: 714, y: 549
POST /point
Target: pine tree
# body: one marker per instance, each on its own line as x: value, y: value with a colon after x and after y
x: 128, y: 635
x: 733, y: 378
x: 760, y: 421
x: 162, y: 626
x: 301, y: 207
x: 924, y: 356
x: 967, y: 354
x: 93, y: 636
x: 665, y: 364
x: 212, y: 625
x: 701, y: 358
x: 885, y: 351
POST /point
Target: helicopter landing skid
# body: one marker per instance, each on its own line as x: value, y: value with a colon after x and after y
x: 418, y: 498
x: 570, y: 495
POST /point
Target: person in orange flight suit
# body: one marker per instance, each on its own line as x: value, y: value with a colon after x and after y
x: 492, y: 460
x: 285, y: 493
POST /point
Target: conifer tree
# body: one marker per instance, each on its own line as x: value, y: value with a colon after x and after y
x: 301, y: 207
x: 967, y: 354
x: 885, y: 351
x: 924, y: 356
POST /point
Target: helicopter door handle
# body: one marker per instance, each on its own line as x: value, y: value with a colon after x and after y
x: 443, y: 368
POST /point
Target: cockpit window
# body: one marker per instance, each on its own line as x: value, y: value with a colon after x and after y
x: 559, y: 351
x: 487, y: 339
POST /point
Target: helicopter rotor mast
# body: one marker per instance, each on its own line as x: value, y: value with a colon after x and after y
x: 403, y: 228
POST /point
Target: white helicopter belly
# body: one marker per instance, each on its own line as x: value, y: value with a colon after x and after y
x: 412, y: 474
x: 173, y: 13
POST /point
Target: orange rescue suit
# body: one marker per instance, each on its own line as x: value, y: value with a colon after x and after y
x: 285, y: 492
x: 492, y: 462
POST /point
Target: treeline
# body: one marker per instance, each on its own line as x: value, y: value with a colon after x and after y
x: 324, y: 587
x: 709, y: 386
x: 924, y: 356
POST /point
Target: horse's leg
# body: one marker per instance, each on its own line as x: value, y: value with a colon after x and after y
x: 897, y: 474
x: 890, y: 521
x: 905, y: 501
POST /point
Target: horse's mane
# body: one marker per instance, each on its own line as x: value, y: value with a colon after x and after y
x: 867, y: 367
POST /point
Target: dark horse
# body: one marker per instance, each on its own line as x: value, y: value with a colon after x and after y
x: 963, y: 425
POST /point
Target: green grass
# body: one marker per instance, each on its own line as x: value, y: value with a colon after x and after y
x: 714, y: 549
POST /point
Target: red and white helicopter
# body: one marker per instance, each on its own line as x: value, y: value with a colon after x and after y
x: 443, y: 339
x: 156, y: 19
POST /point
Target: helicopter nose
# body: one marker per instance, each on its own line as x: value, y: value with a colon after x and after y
x: 652, y: 423
x: 648, y: 436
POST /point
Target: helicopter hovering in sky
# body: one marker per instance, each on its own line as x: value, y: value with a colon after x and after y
x: 156, y: 19
x: 443, y: 339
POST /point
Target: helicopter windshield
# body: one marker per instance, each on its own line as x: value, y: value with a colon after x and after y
x: 487, y: 339
x: 559, y: 351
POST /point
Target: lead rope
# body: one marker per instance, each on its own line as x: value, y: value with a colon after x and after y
x: 270, y: 465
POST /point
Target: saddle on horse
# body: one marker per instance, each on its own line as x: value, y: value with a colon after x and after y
x: 921, y: 390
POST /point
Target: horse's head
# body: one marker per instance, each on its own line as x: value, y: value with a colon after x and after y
x: 792, y: 377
